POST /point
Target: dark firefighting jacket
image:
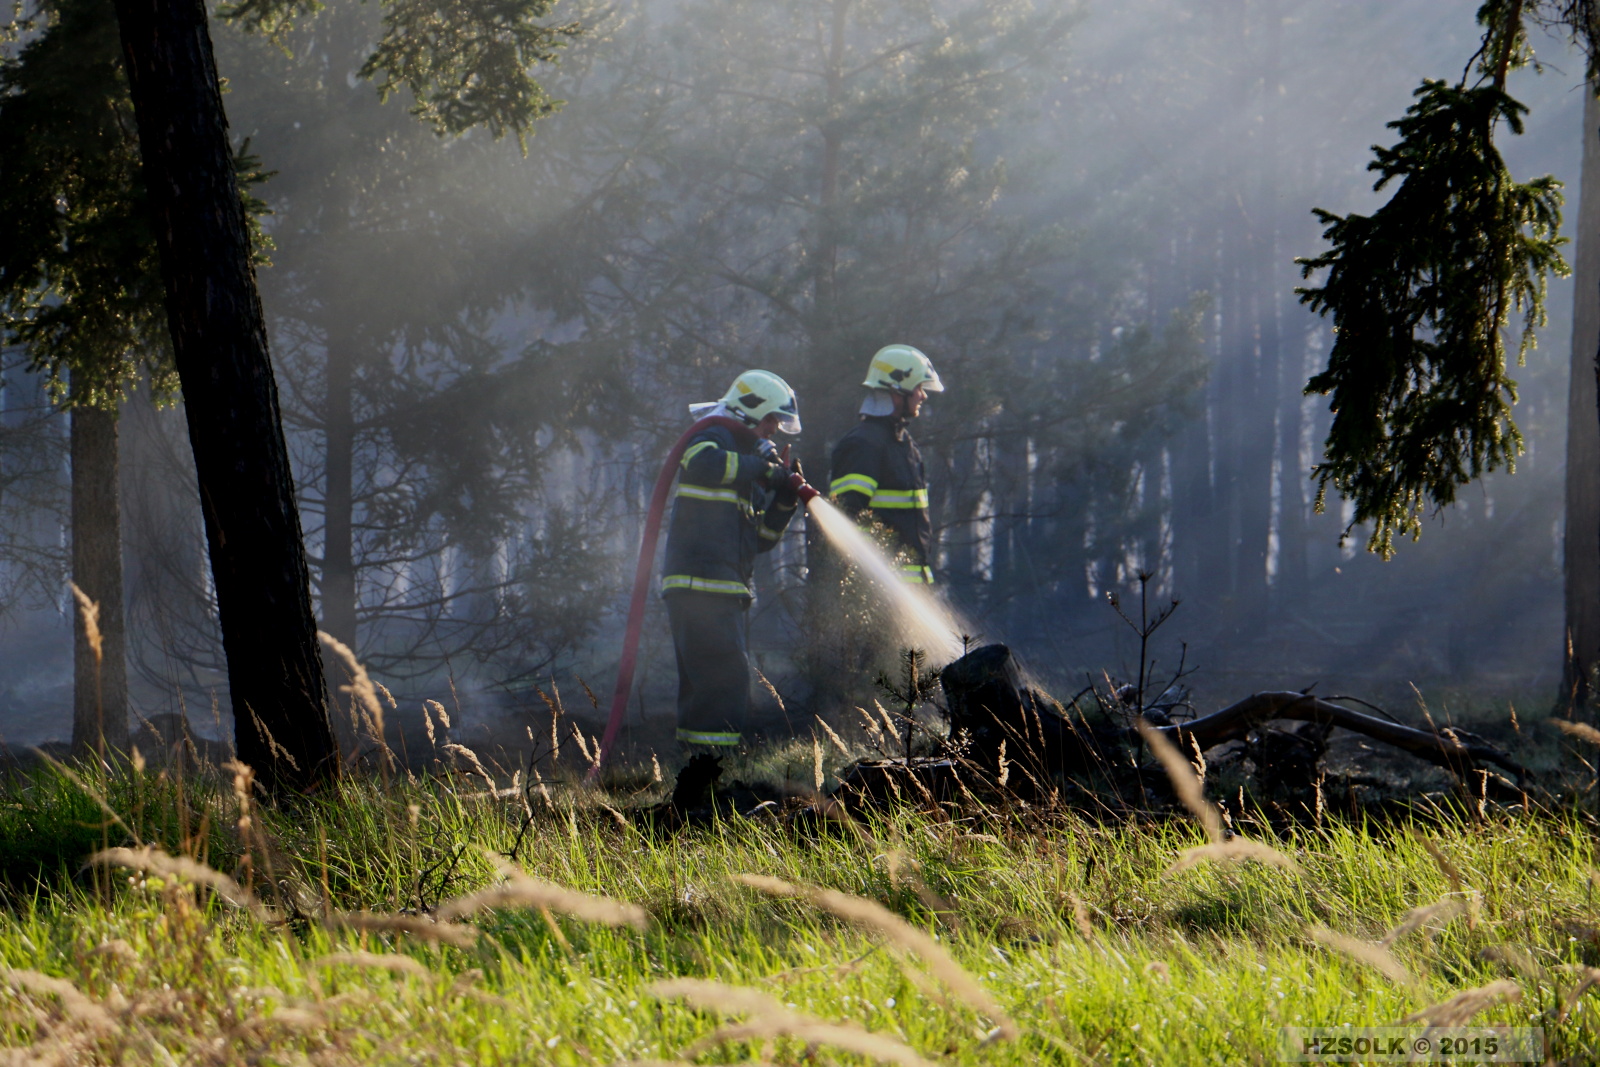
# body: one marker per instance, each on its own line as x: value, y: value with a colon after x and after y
x: 720, y: 517
x: 876, y: 465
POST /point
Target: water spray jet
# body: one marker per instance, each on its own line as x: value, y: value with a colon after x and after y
x: 921, y: 620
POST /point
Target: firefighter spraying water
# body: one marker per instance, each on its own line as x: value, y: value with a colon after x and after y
x: 735, y: 498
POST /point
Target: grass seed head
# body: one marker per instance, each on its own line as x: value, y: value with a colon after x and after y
x: 771, y: 1018
x: 446, y: 933
x: 74, y: 1004
x: 1233, y: 850
x: 1375, y: 956
x: 1185, y: 783
x: 1580, y: 731
x: 833, y: 738
x: 365, y: 693
x: 153, y: 861
x: 471, y: 757
x: 383, y: 961
x: 1440, y: 911
x: 522, y: 891
x: 1459, y: 1009
x: 89, y: 611
x: 899, y: 934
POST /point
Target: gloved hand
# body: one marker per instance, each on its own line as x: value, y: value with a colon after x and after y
x: 772, y: 475
x: 787, y: 496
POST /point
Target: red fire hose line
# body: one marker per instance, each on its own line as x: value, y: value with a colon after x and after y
x: 641, y: 576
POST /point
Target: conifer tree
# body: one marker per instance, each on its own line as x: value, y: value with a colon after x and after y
x: 1421, y: 291
x: 464, y: 65
x: 80, y: 292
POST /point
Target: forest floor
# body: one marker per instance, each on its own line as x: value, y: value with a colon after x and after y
x: 352, y: 929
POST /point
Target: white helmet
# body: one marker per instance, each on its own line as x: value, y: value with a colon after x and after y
x: 755, y: 394
x: 902, y: 368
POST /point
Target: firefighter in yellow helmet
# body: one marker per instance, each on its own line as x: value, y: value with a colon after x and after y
x: 734, y: 500
x: 877, y: 467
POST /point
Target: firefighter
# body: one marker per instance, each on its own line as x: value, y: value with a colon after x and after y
x: 876, y: 466
x: 735, y: 498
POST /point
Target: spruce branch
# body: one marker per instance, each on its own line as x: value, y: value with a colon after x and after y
x: 1419, y: 293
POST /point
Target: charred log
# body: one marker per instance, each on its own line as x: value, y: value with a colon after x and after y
x: 1454, y: 749
x: 920, y: 781
x: 995, y: 719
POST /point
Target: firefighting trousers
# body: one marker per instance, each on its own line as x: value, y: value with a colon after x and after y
x: 711, y: 633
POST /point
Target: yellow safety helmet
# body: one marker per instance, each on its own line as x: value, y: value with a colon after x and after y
x: 755, y: 394
x: 902, y: 368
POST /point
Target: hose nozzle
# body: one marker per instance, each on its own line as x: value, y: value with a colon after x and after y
x: 803, y: 490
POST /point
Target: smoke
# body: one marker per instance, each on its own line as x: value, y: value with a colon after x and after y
x: 1086, y: 215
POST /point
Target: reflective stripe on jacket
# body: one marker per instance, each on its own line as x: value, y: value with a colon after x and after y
x: 720, y: 518
x: 877, y: 466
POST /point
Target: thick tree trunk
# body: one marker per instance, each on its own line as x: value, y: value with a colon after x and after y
x: 1582, y: 542
x: 219, y: 340
x: 99, y: 677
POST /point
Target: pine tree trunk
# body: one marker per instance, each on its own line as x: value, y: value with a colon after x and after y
x: 219, y: 341
x: 99, y: 678
x: 1583, y: 432
x: 1293, y: 568
x: 1195, y: 498
x: 338, y: 555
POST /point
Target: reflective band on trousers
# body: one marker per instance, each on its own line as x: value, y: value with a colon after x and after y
x: 853, y: 483
x: 900, y: 498
x: 701, y: 737
x: 704, y: 585
x: 910, y: 572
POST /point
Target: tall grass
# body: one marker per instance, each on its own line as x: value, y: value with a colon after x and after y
x: 386, y: 922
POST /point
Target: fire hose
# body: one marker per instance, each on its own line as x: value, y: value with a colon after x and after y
x: 647, y: 553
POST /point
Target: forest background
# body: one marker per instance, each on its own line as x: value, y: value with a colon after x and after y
x: 1087, y: 216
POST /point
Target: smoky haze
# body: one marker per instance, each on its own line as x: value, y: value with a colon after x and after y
x: 1086, y: 216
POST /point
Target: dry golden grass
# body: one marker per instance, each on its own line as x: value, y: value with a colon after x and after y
x: 89, y: 612
x: 1190, y: 791
x: 520, y: 890
x: 1465, y: 1005
x: 769, y: 1018
x: 154, y: 861
x: 383, y: 961
x: 365, y: 697
x: 1185, y: 783
x: 899, y: 934
x: 1378, y: 957
x: 1440, y: 911
x: 1582, y: 731
x: 446, y: 933
x: 470, y: 758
